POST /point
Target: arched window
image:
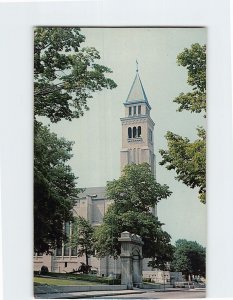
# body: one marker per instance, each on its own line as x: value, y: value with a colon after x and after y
x: 134, y: 132
x: 139, y: 131
x: 129, y: 132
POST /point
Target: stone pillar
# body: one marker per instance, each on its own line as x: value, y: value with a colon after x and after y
x: 131, y: 259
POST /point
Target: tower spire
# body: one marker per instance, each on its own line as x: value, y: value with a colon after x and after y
x: 137, y: 93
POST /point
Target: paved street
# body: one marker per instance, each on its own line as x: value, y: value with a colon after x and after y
x: 184, y: 294
x: 128, y: 294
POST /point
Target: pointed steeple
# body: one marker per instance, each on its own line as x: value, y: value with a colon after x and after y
x: 137, y: 128
x: 137, y: 92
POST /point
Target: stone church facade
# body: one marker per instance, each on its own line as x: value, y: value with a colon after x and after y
x: 137, y: 147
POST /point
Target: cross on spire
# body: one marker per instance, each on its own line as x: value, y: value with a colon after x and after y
x: 136, y: 66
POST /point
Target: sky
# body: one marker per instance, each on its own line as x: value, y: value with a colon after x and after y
x: 97, y: 135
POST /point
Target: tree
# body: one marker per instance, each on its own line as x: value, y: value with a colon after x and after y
x: 133, y: 194
x: 194, y: 59
x: 82, y: 237
x: 189, y: 258
x: 54, y: 188
x: 65, y: 75
x: 188, y: 158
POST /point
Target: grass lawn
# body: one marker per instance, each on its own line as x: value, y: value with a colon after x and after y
x: 57, y: 281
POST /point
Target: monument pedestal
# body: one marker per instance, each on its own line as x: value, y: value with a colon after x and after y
x: 131, y: 260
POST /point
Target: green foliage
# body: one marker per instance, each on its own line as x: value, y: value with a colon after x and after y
x: 106, y: 235
x: 146, y: 280
x: 82, y: 236
x: 188, y: 158
x: 54, y: 188
x: 189, y: 258
x: 133, y: 194
x: 136, y: 188
x: 194, y: 59
x: 65, y: 75
x: 164, y: 253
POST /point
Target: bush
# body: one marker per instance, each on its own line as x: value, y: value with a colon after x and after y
x: 147, y: 279
x: 44, y: 270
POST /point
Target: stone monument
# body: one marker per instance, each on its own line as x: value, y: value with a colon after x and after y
x: 131, y: 259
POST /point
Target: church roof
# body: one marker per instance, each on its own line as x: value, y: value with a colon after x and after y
x: 95, y: 192
x: 137, y: 92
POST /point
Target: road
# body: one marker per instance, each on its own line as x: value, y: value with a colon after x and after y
x: 184, y: 294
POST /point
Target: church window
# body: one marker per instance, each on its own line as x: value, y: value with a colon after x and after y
x: 139, y: 109
x: 150, y: 135
x: 129, y: 132
x: 130, y: 111
x: 134, y: 155
x: 67, y: 229
x: 134, y: 110
x: 66, y: 251
x: 65, y: 264
x: 134, y: 132
x: 139, y: 131
x: 59, y: 251
x: 74, y: 251
x: 67, y: 233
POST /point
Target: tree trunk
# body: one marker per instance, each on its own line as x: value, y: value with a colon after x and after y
x: 86, y: 255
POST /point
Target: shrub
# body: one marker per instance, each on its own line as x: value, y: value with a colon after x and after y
x: 147, y: 279
x: 44, y: 270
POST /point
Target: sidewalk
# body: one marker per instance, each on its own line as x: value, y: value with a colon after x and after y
x: 91, y: 294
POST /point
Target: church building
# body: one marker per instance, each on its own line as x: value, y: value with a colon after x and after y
x: 92, y: 204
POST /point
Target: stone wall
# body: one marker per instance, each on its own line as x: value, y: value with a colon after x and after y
x: 162, y: 277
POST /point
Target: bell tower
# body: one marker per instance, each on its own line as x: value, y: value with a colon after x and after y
x: 137, y: 128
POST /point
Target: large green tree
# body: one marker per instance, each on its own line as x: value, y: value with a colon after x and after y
x: 188, y: 158
x: 65, y: 74
x: 65, y: 77
x: 54, y: 188
x: 82, y: 237
x: 133, y: 194
x: 189, y: 258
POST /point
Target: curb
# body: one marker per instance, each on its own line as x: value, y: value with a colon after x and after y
x: 72, y: 296
x: 103, y: 295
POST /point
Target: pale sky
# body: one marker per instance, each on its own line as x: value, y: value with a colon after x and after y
x: 97, y: 135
